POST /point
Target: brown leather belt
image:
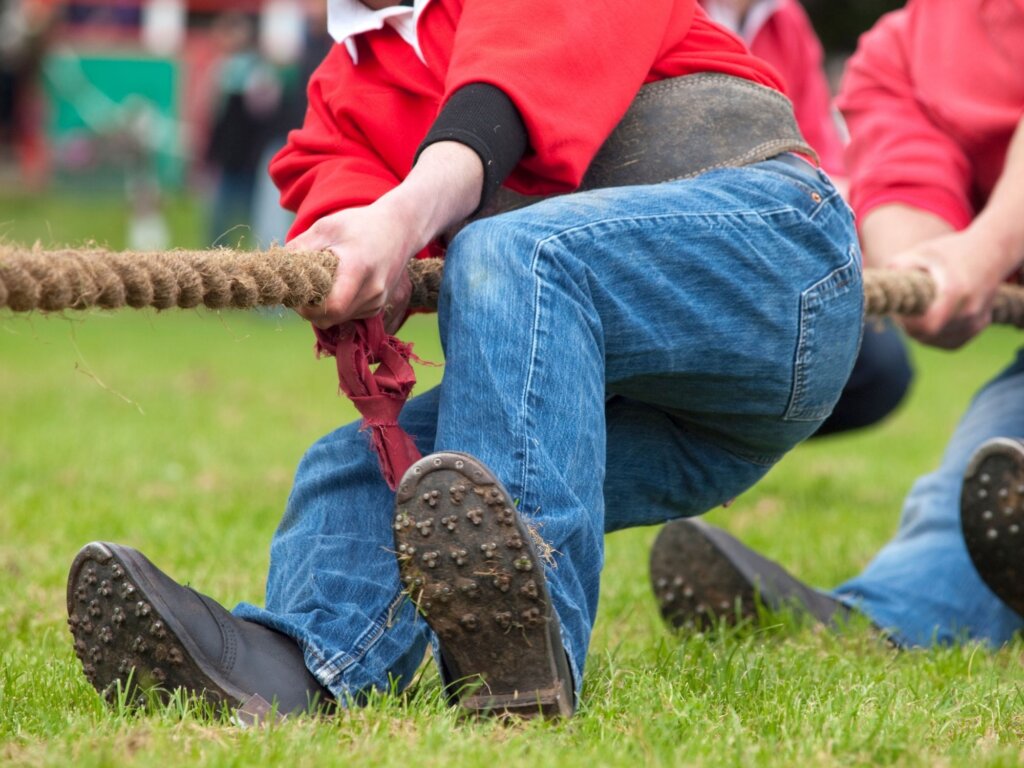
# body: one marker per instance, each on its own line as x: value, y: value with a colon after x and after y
x: 681, y: 127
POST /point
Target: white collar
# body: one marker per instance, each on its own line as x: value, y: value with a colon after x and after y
x: 725, y: 14
x: 347, y: 19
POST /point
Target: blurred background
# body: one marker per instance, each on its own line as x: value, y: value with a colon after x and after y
x: 146, y: 124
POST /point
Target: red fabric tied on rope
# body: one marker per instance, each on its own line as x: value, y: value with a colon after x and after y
x: 377, y: 394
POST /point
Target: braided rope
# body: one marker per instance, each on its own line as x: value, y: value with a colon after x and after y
x: 33, y: 279
x: 891, y: 292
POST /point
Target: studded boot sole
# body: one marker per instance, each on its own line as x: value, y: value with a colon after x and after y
x: 702, y: 576
x: 469, y: 564
x: 124, y: 635
x: 992, y: 517
x: 137, y: 630
x: 694, y: 584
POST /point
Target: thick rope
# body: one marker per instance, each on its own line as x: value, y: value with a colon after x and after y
x: 34, y: 279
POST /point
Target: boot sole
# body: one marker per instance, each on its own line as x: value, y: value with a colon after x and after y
x: 992, y: 518
x: 703, y: 577
x: 127, y: 639
x: 469, y: 565
x: 695, y: 584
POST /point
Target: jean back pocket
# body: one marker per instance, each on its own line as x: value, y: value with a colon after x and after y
x: 831, y: 324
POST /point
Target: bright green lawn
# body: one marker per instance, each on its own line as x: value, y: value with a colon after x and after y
x: 178, y: 433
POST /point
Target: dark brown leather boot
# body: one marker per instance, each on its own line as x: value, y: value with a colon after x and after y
x: 992, y: 517
x: 136, y: 626
x: 470, y: 565
x: 701, y: 576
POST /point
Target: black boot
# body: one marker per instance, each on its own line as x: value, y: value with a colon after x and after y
x: 132, y: 622
x: 992, y: 517
x: 701, y: 575
x: 469, y: 564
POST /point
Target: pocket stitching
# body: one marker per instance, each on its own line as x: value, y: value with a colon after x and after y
x: 811, y: 298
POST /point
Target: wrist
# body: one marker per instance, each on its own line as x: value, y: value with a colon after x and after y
x: 889, y: 231
x: 1003, y: 239
x: 442, y: 189
x: 412, y: 214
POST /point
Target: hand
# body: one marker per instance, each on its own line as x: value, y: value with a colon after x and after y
x: 966, y: 280
x: 967, y: 266
x: 397, y: 308
x: 373, y: 246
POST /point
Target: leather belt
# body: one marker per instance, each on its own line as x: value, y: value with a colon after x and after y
x: 681, y: 127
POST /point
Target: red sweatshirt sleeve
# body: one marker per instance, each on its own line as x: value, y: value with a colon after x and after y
x: 896, y: 153
x: 326, y: 166
x: 571, y: 79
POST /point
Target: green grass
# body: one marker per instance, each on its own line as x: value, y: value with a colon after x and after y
x: 68, y: 219
x: 178, y: 433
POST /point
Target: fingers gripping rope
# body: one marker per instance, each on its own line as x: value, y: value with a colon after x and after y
x: 33, y: 279
x: 891, y: 292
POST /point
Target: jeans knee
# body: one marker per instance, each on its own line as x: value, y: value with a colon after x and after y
x: 488, y: 261
x: 336, y: 456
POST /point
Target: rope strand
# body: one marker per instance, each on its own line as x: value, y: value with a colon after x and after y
x: 34, y: 279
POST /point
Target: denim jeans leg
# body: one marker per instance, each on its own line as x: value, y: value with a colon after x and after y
x: 333, y: 583
x: 922, y: 586
x: 658, y: 470
x: 731, y: 301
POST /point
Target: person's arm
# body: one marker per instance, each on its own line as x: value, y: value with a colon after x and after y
x: 1002, y: 217
x: 898, y: 154
x: 472, y: 146
x: 567, y: 85
x: 339, y: 187
x: 968, y: 266
x: 911, y: 187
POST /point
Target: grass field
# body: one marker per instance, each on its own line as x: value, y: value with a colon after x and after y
x: 178, y: 433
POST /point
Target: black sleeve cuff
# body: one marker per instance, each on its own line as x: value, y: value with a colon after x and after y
x: 483, y: 118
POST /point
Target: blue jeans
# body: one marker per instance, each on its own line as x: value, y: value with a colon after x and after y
x: 922, y: 587
x: 659, y: 347
x: 880, y: 380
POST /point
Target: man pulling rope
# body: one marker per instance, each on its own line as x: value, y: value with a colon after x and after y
x: 686, y: 289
